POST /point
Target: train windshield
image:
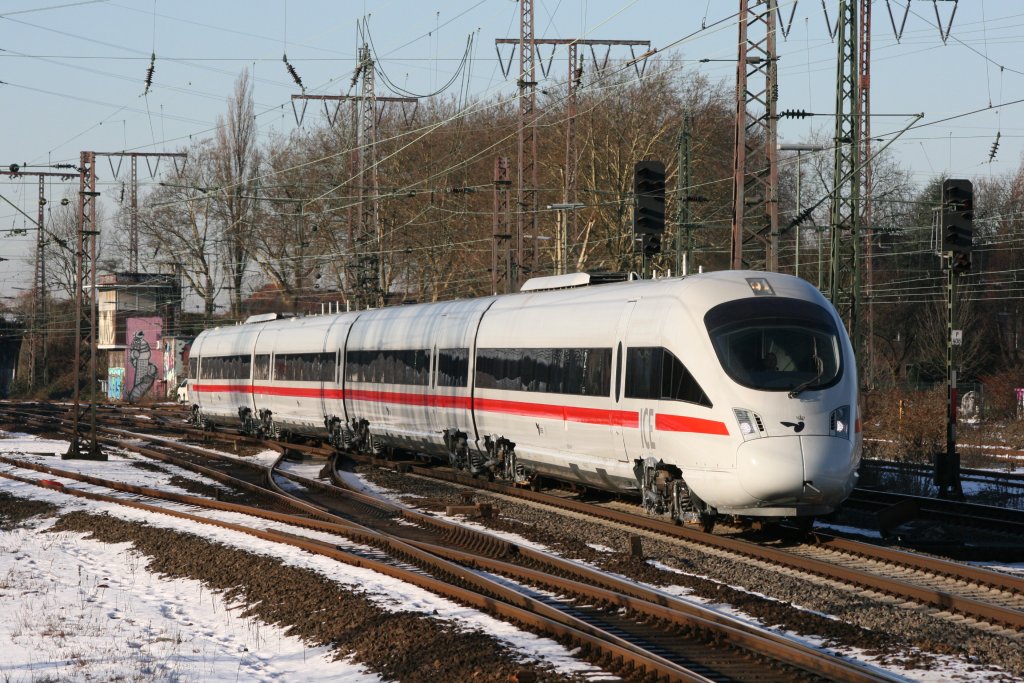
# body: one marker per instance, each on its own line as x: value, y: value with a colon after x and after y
x: 776, y: 344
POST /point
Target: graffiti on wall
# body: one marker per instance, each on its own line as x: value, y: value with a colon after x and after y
x: 141, y: 369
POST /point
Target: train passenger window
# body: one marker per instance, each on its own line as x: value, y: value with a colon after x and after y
x: 388, y: 366
x: 261, y: 367
x: 305, y: 367
x: 193, y: 367
x: 452, y: 367
x: 226, y: 367
x: 581, y: 372
x: 653, y: 372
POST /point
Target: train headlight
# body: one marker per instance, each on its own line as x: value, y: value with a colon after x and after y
x: 751, y: 426
x: 839, y: 423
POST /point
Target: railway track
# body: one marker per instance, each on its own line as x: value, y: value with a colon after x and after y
x: 953, y: 589
x: 620, y: 624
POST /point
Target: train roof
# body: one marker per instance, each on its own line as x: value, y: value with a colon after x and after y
x: 698, y: 291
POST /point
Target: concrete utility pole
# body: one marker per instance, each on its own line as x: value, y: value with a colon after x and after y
x: 567, y: 221
x: 755, y: 167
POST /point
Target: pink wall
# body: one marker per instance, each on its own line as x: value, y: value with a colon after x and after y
x: 144, y: 371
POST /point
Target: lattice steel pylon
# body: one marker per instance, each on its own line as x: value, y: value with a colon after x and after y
x: 755, y: 169
x: 867, y: 210
x: 526, y: 195
x: 502, y: 280
x: 372, y: 279
x: 85, y: 279
x: 40, y: 338
x: 364, y: 273
x: 683, y: 241
x: 845, y: 285
x: 133, y: 192
x: 572, y: 237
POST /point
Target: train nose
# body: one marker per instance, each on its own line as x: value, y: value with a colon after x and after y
x: 806, y: 470
x: 829, y: 468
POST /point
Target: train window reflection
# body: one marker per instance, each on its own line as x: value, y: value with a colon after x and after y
x: 261, y: 367
x: 653, y: 372
x: 225, y: 367
x: 305, y: 367
x: 388, y: 366
x: 582, y: 372
x: 778, y: 345
x: 452, y: 367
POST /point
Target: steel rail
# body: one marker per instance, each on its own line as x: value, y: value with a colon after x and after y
x: 510, y: 604
x: 649, y: 603
x: 940, y: 599
x: 947, y: 601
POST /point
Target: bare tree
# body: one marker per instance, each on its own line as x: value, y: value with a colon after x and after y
x: 179, y: 225
x: 61, y: 242
x: 236, y: 164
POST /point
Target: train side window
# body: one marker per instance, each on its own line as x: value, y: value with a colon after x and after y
x: 653, y: 372
x: 305, y: 367
x: 388, y: 366
x: 618, y: 372
x: 576, y: 371
x: 225, y: 367
x: 193, y: 367
x: 261, y: 367
x: 452, y: 367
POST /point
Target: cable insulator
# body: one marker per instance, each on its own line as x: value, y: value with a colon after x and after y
x: 149, y: 73
x: 995, y: 147
x: 794, y: 114
x: 294, y: 74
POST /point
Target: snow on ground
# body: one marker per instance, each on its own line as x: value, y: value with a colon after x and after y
x: 85, y: 610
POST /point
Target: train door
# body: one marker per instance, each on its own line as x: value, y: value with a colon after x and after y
x: 620, y: 420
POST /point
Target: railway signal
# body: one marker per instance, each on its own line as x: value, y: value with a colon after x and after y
x: 958, y: 222
x: 957, y: 240
x: 649, y: 208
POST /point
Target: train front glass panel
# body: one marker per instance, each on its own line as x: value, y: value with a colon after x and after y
x: 776, y: 344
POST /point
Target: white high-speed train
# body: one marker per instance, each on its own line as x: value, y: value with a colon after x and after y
x: 728, y: 392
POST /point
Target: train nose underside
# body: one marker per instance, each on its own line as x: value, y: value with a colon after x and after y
x: 797, y: 475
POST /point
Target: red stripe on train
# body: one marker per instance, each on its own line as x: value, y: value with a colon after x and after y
x: 681, y: 423
x: 409, y: 399
x: 597, y: 416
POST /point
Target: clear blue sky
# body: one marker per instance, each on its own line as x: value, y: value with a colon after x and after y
x: 73, y: 72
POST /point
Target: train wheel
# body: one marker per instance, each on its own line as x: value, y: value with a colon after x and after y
x: 707, y: 522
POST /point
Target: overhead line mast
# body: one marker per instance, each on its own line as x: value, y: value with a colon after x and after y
x: 365, y: 235
x: 85, y: 278
x: 38, y: 370
x: 133, y: 192
x: 526, y: 215
x: 571, y: 180
x: 867, y: 217
x: 845, y: 286
x: 755, y: 157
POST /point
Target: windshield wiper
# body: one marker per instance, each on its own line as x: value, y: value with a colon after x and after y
x: 819, y: 365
